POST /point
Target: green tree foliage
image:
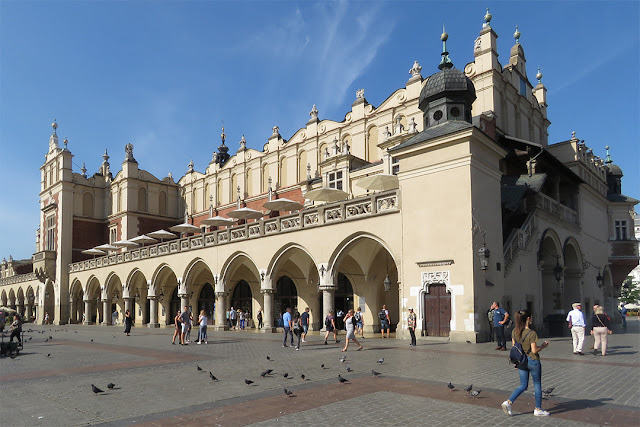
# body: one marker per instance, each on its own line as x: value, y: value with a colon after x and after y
x: 630, y: 292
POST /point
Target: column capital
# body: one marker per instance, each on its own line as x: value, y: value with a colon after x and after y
x: 267, y: 291
x: 221, y: 294
x: 328, y: 288
x: 150, y: 297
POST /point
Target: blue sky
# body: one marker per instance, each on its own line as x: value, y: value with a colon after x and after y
x: 164, y: 75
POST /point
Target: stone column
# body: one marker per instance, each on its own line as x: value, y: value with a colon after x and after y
x: 87, y: 312
x: 73, y: 312
x: 327, y: 300
x: 128, y: 304
x: 267, y: 316
x: 153, y: 313
x: 106, y: 312
x: 184, y: 301
x: 21, y: 308
x: 221, y: 312
x: 29, y: 311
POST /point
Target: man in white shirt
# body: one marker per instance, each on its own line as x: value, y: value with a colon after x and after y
x: 577, y: 324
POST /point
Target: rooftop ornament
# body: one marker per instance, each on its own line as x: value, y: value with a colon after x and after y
x: 487, y: 19
x: 445, y: 62
x: 517, y: 35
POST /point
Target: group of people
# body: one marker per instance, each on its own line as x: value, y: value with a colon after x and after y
x: 238, y: 319
x: 295, y: 324
x: 183, y: 322
x: 600, y: 328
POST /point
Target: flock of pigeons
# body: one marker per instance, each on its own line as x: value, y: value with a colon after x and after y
x: 474, y: 393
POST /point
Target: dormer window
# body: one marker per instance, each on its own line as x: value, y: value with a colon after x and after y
x: 621, y: 230
x: 523, y: 87
x: 334, y: 180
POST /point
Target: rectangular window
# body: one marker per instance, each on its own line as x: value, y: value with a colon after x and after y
x: 395, y: 166
x: 621, y: 230
x: 335, y: 180
x: 113, y: 234
x: 523, y: 88
x: 51, y: 233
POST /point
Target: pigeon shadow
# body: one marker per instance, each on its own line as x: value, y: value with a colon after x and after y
x: 575, y: 405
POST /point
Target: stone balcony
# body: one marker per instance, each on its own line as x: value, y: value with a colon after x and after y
x: 44, y: 265
x: 553, y: 207
x: 381, y: 203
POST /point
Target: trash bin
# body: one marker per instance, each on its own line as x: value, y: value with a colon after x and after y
x: 555, y: 324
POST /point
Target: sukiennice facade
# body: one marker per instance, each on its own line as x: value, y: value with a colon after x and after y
x: 474, y: 206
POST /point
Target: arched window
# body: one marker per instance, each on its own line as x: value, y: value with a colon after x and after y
x: 142, y: 199
x: 87, y: 204
x: 219, y: 193
x: 249, y: 182
x: 234, y: 188
x: 286, y: 296
x: 302, y: 166
x: 162, y: 203
x: 207, y: 194
x: 120, y: 207
x: 195, y: 201
x: 241, y: 298
x: 265, y: 178
x: 373, y: 150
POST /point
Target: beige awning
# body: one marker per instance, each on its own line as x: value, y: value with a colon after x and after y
x: 326, y: 194
x: 282, y: 205
x: 218, y: 221
x: 185, y: 228
x: 143, y: 240
x: 162, y: 235
x: 245, y: 213
x: 380, y: 182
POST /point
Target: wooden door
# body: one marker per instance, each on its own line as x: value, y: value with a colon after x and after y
x: 437, y: 304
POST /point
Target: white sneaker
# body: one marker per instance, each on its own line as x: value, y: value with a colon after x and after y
x: 304, y: 340
x: 506, y: 407
x: 198, y: 342
x: 540, y: 413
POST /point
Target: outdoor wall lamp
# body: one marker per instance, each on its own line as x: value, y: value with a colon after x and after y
x: 557, y: 270
x: 599, y: 279
x: 386, y: 282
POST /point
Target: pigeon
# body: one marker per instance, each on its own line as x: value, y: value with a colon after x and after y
x: 48, y: 354
x: 213, y: 378
x: 468, y: 389
x: 199, y: 368
x: 468, y: 342
x: 342, y: 380
x: 451, y: 386
x: 264, y: 374
x: 302, y: 377
x: 548, y: 391
x: 29, y: 339
x: 50, y: 337
x: 110, y: 386
x: 286, y: 375
x: 375, y: 373
x: 474, y: 393
x: 96, y: 390
x: 91, y: 339
x: 322, y: 366
x: 349, y: 369
x: 381, y: 360
x: 288, y: 393
x: 75, y: 332
x: 343, y: 359
x: 47, y: 340
x: 248, y: 382
x: 268, y: 358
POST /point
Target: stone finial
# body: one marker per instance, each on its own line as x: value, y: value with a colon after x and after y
x: 105, y: 156
x: 243, y: 143
x: 387, y: 133
x: 276, y: 131
x: 190, y: 166
x: 54, y: 125
x: 413, y: 126
x: 539, y: 76
x: 83, y: 169
x: 128, y: 149
x: 170, y: 175
x: 336, y: 147
x: 65, y: 141
x: 309, y: 171
x: 517, y: 35
x: 314, y: 113
x: 415, y: 70
x: 360, y: 94
x: 487, y: 19
x: 222, y: 135
x: 398, y: 128
x: 573, y: 135
x: 10, y: 259
x: 214, y: 157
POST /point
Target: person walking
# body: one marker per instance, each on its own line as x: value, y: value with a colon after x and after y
x: 114, y: 318
x: 350, y: 325
x: 46, y: 318
x: 577, y: 326
x: 304, y: 322
x: 178, y: 328
x: 600, y: 328
x: 500, y: 317
x: 287, y: 323
x: 241, y: 318
x: 623, y: 313
x: 233, y: 318
x: 128, y: 321
x: 259, y: 316
x: 184, y: 320
x: 385, y: 322
x: 297, y: 328
x: 359, y: 322
x: 528, y: 338
x: 330, y: 326
x: 16, y: 328
x: 202, y: 332
x: 411, y: 325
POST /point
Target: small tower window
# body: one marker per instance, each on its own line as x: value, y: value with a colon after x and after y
x: 523, y: 87
x: 621, y: 230
x: 51, y: 233
x: 437, y: 115
x: 455, y: 112
x: 334, y: 180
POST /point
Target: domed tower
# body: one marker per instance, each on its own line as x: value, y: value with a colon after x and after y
x: 614, y: 175
x: 223, y: 154
x: 448, y: 95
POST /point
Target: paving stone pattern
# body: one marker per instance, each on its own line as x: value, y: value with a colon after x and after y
x: 158, y: 383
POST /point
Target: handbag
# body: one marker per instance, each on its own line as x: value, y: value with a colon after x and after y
x: 518, y: 356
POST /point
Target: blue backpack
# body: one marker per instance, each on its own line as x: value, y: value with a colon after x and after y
x: 518, y: 356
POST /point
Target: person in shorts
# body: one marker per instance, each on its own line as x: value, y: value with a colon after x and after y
x: 385, y: 322
x: 304, y: 321
x: 184, y: 318
x: 178, y: 328
x: 330, y: 326
x: 359, y: 322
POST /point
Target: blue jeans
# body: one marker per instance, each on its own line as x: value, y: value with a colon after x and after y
x: 202, y: 334
x: 501, y: 340
x: 287, y: 331
x: 536, y: 373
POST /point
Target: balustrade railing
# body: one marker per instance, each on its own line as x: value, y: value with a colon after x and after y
x: 555, y: 208
x: 375, y: 204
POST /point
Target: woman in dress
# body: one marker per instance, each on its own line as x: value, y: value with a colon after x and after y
x: 350, y: 323
x: 127, y: 322
x: 600, y: 329
x: 178, y: 323
x: 202, y: 333
x: 527, y: 338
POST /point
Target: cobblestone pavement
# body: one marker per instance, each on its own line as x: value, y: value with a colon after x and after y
x: 49, y: 383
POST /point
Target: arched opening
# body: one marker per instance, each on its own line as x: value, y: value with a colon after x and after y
x: 372, y: 146
x: 206, y: 301
x: 77, y: 304
x: 550, y: 262
x: 50, y: 301
x: 241, y: 299
x: 286, y: 296
x: 343, y: 298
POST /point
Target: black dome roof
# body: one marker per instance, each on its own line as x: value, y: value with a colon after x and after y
x: 446, y: 81
x: 614, y: 169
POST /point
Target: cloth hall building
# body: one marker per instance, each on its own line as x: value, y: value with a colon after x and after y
x: 443, y: 198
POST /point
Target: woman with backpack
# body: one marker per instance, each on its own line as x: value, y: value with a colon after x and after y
x: 528, y: 338
x: 359, y: 322
x: 350, y: 324
x: 330, y: 326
